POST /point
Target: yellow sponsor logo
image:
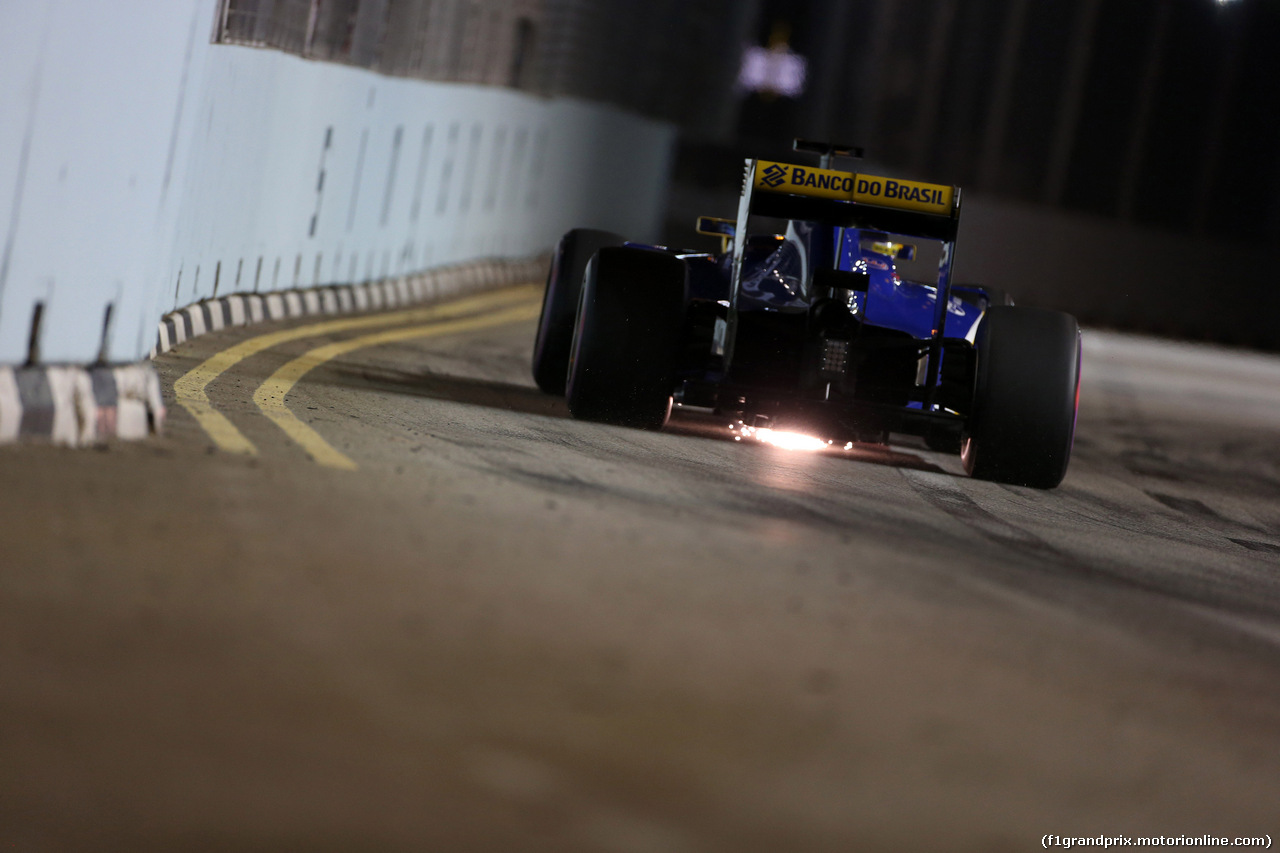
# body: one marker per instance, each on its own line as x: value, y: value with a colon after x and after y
x: 907, y: 195
x: 847, y: 186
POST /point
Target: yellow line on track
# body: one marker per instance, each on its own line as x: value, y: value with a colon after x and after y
x: 190, y: 389
x: 271, y: 394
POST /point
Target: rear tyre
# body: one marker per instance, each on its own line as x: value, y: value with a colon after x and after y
x: 1025, y: 397
x: 560, y: 304
x: 943, y: 442
x: 622, y: 362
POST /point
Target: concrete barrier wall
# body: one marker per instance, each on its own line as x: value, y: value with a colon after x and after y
x: 144, y: 168
x: 1123, y: 276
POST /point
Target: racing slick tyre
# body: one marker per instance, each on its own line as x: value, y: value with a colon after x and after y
x: 560, y: 304
x: 622, y: 361
x: 943, y: 442
x: 1025, y: 397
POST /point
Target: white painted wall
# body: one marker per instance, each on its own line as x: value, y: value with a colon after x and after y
x: 140, y: 164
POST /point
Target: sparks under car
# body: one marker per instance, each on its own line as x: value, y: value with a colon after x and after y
x: 829, y: 309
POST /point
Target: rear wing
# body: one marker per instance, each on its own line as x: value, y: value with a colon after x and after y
x: 850, y: 199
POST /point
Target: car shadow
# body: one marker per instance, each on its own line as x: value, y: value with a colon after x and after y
x: 528, y: 399
x: 471, y: 391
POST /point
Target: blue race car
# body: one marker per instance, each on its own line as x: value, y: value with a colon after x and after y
x: 829, y: 310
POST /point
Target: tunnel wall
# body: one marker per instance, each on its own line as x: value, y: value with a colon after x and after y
x: 143, y: 167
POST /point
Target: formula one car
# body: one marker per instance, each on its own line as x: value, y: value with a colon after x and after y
x: 830, y: 310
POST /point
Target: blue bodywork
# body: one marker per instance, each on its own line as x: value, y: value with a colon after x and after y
x: 777, y: 282
x: 773, y: 280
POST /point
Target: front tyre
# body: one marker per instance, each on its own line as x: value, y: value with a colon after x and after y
x: 560, y: 304
x: 1025, y: 397
x: 622, y: 362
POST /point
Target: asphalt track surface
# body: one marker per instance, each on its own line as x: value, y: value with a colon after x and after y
x: 478, y: 624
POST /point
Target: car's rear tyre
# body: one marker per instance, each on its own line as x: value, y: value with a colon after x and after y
x: 622, y: 361
x: 1025, y: 397
x: 943, y: 442
x: 560, y: 304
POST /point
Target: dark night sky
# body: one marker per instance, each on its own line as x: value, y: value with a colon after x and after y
x: 1178, y: 114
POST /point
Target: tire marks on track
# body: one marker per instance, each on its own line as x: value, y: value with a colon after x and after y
x: 1048, y: 571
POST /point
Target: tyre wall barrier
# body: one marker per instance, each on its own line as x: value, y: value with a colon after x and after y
x: 144, y: 169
